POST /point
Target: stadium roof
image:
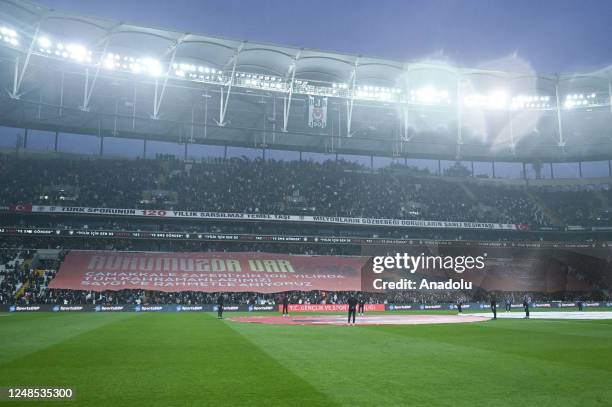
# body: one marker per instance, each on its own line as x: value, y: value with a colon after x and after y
x: 127, y: 80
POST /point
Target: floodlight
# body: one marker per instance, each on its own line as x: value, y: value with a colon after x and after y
x: 152, y: 66
x: 109, y: 63
x: 8, y: 32
x: 44, y: 42
x: 497, y: 99
x: 77, y: 51
x: 426, y: 94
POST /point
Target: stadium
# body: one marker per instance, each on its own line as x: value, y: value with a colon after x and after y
x: 187, y: 219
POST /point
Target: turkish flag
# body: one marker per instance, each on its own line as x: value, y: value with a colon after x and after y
x: 21, y: 208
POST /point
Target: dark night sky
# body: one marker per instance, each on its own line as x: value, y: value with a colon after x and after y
x: 551, y: 35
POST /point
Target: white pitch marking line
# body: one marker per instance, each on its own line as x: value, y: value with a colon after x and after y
x: 551, y: 315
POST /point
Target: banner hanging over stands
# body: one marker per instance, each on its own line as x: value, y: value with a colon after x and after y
x: 317, y: 112
x: 163, y: 214
x: 207, y: 272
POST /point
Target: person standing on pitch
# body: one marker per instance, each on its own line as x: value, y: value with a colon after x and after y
x: 526, y: 306
x: 361, y: 305
x: 220, y: 301
x: 352, y: 308
x: 286, y: 305
x: 459, y: 304
x: 508, y: 304
x: 494, y: 307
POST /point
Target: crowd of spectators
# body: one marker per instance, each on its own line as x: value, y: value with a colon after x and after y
x: 332, y: 188
x: 141, y: 297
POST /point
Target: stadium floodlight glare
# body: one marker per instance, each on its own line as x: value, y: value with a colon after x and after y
x: 498, y: 99
x: 9, y: 36
x: 495, y: 100
x: 135, y: 67
x: 530, y: 102
x: 579, y: 100
x: 426, y: 95
x: 152, y: 66
x: 109, y: 61
x: 9, y: 32
x: 429, y: 95
x: 45, y: 43
x: 371, y: 92
x: 77, y: 52
x: 131, y: 64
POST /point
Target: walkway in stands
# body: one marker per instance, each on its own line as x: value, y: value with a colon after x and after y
x: 398, y: 319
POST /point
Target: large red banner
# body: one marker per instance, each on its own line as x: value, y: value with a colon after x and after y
x: 208, y: 272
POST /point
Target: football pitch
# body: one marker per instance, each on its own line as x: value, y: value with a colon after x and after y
x: 193, y: 359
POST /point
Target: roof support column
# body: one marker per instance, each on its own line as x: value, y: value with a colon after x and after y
x: 287, y: 100
x: 20, y: 74
x: 61, y: 104
x: 89, y: 90
x: 13, y: 94
x: 224, y: 100
x: 610, y: 93
x: 206, y: 96
x: 561, y: 141
x: 350, y: 102
x: 406, y: 137
x: 114, y: 133
x: 459, y: 119
x: 134, y: 109
x: 85, y: 91
x: 511, y: 124
x: 159, y: 94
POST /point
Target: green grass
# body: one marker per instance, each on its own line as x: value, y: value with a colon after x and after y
x: 193, y: 359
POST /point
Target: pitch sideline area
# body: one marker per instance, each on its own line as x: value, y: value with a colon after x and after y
x: 375, y: 319
x: 551, y: 315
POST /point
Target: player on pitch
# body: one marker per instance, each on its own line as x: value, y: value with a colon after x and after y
x: 361, y: 308
x: 220, y: 306
x: 286, y: 305
x: 526, y: 306
x: 352, y: 308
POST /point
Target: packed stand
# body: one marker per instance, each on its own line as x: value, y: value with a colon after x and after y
x: 258, y: 186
